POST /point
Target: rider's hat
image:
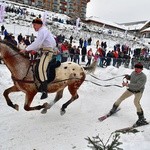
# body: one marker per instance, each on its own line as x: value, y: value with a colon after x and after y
x: 37, y: 21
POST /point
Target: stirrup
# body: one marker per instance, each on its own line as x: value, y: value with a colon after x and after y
x: 44, y: 95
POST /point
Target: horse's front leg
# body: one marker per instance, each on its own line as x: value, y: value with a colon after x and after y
x: 7, y: 92
x: 28, y: 100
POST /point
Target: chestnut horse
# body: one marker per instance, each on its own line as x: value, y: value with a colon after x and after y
x: 68, y: 74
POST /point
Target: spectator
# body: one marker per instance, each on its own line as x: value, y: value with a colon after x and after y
x: 21, y: 45
x: 65, y: 51
x: 2, y: 29
x: 20, y: 37
x: 77, y: 55
x: 13, y: 41
x: 97, y: 44
x: 32, y: 38
x: 81, y: 43
x: 27, y: 41
x: 83, y: 52
x: 71, y: 38
x: 89, y: 41
x: 89, y: 56
x: 72, y: 52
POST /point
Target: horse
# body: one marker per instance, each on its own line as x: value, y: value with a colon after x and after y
x: 68, y: 74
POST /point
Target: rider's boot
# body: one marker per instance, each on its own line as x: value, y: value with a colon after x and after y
x: 43, y: 89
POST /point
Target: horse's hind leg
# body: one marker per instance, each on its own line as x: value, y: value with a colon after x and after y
x: 64, y: 106
x: 73, y: 91
x: 7, y: 92
x: 58, y: 96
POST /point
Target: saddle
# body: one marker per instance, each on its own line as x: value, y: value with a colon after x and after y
x: 51, y: 72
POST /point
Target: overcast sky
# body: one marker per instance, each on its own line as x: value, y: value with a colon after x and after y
x: 119, y: 11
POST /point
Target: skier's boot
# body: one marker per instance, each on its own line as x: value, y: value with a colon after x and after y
x: 113, y: 110
x: 141, y: 121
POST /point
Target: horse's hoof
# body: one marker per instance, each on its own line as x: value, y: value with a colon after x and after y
x: 16, y: 107
x: 47, y: 106
x: 44, y: 111
x: 62, y: 112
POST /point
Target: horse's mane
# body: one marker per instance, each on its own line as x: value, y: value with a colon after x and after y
x: 13, y: 47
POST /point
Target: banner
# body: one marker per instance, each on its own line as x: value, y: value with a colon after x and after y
x: 44, y: 18
x: 2, y: 12
x: 77, y: 23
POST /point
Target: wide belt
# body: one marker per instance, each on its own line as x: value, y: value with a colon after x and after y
x: 47, y: 49
x: 133, y: 91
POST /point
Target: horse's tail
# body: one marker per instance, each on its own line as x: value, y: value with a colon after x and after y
x: 92, y: 67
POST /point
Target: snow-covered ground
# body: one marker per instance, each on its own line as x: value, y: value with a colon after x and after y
x: 32, y: 130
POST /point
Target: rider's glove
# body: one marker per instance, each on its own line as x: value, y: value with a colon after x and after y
x: 127, y: 77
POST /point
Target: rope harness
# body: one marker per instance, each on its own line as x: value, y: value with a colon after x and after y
x: 107, y: 85
x: 106, y: 79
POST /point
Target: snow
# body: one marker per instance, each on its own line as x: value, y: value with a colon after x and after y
x: 32, y: 130
x: 22, y: 130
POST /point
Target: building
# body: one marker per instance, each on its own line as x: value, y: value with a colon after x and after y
x: 72, y: 8
x: 136, y: 28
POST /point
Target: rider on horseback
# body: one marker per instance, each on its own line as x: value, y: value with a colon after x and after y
x: 45, y: 42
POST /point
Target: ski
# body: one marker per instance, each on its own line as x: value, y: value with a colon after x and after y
x: 102, y: 118
x: 132, y: 128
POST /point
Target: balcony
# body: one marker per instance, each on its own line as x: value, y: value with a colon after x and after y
x: 56, y: 2
x: 63, y: 8
x: 64, y: 3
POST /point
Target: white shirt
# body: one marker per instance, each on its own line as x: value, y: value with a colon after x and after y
x: 43, y: 40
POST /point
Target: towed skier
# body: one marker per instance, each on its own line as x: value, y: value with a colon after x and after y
x: 135, y: 87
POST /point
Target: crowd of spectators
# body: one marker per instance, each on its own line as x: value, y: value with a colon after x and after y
x: 83, y: 54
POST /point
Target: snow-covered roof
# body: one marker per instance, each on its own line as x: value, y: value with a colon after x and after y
x: 137, y: 26
x: 145, y: 30
x: 97, y: 19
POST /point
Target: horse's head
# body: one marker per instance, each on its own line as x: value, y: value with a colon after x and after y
x: 8, y: 49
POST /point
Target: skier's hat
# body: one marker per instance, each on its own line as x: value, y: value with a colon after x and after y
x: 138, y: 65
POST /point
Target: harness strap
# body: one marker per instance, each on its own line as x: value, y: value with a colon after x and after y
x: 22, y: 80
